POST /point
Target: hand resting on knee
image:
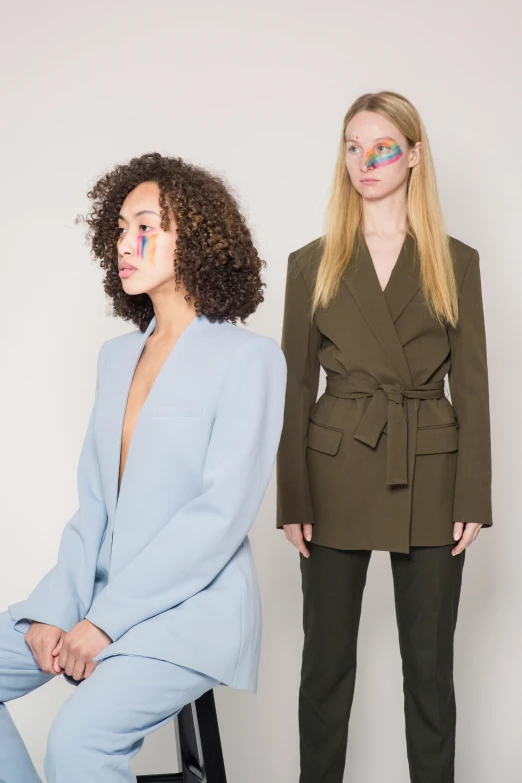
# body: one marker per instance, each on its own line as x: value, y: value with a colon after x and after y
x: 75, y: 651
x: 43, y: 639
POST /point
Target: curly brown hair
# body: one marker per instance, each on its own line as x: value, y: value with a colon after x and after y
x: 215, y: 258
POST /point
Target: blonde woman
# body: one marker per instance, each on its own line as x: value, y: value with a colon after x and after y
x: 388, y: 305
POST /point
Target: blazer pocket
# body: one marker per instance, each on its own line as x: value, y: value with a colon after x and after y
x: 322, y: 437
x: 178, y: 411
x: 437, y: 439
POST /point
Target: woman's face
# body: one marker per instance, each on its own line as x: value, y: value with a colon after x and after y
x: 378, y: 158
x: 145, y: 251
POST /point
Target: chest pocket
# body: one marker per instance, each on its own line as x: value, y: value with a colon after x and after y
x: 178, y: 411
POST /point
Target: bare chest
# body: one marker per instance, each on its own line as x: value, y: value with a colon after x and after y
x: 384, y: 256
x: 149, y: 365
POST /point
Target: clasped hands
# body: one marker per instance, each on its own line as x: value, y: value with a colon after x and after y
x: 57, y: 652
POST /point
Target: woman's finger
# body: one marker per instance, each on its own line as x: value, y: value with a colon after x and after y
x: 458, y: 528
x: 89, y: 669
x: 294, y: 534
x: 299, y: 543
x: 39, y: 656
x: 69, y: 666
x: 58, y: 647
x: 307, y: 532
x: 464, y: 542
x: 79, y: 670
x: 66, y: 661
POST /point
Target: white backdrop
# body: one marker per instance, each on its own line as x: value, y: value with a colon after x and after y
x: 256, y: 91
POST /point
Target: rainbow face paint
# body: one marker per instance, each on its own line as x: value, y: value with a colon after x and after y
x: 352, y: 136
x: 146, y: 247
x: 383, y: 154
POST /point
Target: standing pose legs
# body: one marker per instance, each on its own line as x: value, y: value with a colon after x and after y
x: 427, y: 591
x: 427, y: 585
x: 333, y: 585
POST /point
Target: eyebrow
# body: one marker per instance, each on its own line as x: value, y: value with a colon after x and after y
x: 140, y: 213
x: 381, y: 138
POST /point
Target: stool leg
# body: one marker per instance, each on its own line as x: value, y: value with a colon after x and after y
x: 189, y: 747
x: 200, y: 743
x: 210, y: 739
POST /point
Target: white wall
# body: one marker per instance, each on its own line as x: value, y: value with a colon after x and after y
x: 256, y: 90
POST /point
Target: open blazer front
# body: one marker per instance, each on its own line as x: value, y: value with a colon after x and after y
x: 383, y: 460
x: 182, y: 584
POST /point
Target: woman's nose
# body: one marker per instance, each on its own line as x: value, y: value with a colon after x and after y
x: 127, y: 245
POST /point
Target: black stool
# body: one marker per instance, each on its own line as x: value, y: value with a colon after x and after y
x: 199, y: 746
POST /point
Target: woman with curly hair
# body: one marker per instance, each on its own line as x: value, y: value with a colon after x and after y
x: 154, y: 598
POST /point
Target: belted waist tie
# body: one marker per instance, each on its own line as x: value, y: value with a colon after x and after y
x: 393, y: 405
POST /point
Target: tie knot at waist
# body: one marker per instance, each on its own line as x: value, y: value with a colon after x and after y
x: 387, y: 409
x: 393, y: 392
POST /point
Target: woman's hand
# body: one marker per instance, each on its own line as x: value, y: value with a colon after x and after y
x: 74, y: 653
x: 42, y: 640
x: 465, y: 533
x: 297, y: 535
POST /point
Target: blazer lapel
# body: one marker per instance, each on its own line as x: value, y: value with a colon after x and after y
x: 404, y: 281
x: 361, y: 279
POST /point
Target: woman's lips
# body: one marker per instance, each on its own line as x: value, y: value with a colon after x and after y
x: 127, y: 271
x: 368, y: 181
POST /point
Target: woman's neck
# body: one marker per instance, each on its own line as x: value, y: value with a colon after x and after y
x: 387, y: 217
x: 173, y: 314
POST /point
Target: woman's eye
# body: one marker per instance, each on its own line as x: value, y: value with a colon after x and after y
x: 382, y: 148
x: 120, y: 231
x: 144, y: 228
x: 351, y: 148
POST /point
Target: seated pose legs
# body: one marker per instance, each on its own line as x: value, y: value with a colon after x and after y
x: 103, y: 724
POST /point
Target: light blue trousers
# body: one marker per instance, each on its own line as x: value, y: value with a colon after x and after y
x: 104, y: 722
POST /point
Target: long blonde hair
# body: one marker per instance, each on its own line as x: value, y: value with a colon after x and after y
x: 424, y: 214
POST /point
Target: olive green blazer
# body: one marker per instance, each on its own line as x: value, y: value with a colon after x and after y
x: 383, y: 460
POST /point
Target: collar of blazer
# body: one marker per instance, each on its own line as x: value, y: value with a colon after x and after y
x: 381, y: 309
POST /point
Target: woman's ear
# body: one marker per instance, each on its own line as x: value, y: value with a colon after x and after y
x: 415, y: 155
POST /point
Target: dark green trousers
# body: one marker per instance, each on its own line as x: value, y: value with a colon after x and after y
x: 427, y: 584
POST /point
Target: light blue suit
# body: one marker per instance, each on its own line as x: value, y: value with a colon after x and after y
x: 166, y: 568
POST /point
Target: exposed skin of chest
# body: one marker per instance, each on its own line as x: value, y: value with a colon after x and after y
x: 147, y: 370
x: 384, y: 254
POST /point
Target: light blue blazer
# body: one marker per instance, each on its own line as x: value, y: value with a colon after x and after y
x: 181, y: 583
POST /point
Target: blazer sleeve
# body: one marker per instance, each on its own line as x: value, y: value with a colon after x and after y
x: 64, y: 594
x: 300, y: 343
x: 200, y: 538
x: 468, y: 382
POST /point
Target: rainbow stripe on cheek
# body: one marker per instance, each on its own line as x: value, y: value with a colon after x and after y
x: 146, y: 247
x: 377, y: 160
